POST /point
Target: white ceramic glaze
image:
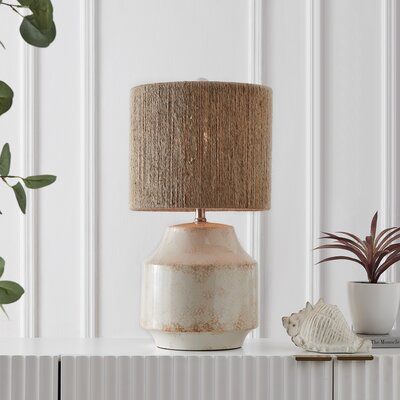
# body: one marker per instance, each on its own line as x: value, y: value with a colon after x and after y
x: 322, y: 328
x: 373, y: 306
x: 199, y: 289
x: 199, y: 340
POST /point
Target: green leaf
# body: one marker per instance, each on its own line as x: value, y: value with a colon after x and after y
x: 6, y: 97
x: 21, y: 197
x: 10, y: 292
x: 43, y: 11
x: 5, y: 160
x: 39, y: 181
x: 25, y: 3
x: 2, y: 264
x: 34, y: 33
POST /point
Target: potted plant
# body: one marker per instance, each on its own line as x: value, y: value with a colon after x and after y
x: 373, y: 305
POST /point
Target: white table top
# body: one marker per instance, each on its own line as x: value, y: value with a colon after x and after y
x: 145, y: 347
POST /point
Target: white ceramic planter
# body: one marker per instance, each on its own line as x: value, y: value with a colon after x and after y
x: 199, y: 289
x: 373, y: 306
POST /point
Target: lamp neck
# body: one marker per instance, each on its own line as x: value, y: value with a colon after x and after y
x: 200, y: 215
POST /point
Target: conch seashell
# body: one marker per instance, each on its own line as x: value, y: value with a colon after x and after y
x: 322, y: 328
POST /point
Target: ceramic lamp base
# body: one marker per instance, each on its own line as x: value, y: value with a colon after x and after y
x: 199, y: 289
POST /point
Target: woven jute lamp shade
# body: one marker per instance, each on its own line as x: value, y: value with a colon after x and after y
x: 200, y: 144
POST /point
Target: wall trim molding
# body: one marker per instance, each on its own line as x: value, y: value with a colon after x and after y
x: 313, y: 144
x: 89, y: 256
x: 388, y: 119
x: 28, y: 246
x: 256, y: 220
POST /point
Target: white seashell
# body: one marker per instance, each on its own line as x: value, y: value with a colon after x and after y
x: 322, y: 328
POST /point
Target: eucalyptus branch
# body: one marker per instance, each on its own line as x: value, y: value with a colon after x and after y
x: 12, y: 176
x: 37, y: 29
x: 4, y: 310
x: 13, y: 5
x: 14, y: 8
x: 3, y: 178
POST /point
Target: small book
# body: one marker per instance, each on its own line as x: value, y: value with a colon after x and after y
x: 390, y: 340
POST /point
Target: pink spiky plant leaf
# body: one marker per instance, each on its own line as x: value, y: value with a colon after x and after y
x: 375, y: 254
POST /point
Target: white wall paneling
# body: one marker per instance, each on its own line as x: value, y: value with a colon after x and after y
x: 59, y: 148
x: 12, y: 131
x: 89, y: 168
x: 332, y: 67
x: 147, y: 42
x: 396, y: 84
x: 313, y: 145
x: 390, y: 144
x: 28, y: 245
x: 79, y: 249
x: 285, y: 64
x: 256, y: 220
x: 351, y: 130
x: 388, y: 118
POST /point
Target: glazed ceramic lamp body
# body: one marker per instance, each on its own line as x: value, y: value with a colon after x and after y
x: 200, y: 146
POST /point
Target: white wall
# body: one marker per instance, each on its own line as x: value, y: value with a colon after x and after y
x: 332, y: 67
x: 79, y: 252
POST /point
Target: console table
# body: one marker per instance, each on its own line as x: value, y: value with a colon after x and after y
x: 133, y: 369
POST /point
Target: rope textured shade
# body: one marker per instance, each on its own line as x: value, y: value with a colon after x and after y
x: 200, y: 144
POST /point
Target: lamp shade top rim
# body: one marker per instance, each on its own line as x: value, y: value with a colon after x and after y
x: 200, y: 83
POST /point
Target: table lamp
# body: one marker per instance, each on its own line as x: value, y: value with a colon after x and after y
x: 200, y: 146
